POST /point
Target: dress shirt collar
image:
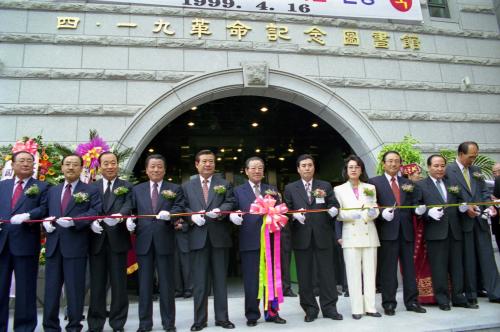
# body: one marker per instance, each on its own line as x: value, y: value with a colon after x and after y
x: 208, y: 180
x: 460, y: 165
x: 389, y: 178
x: 105, y: 184
x: 252, y: 185
x: 304, y: 182
x: 73, y: 185
x: 25, y: 182
x: 151, y: 185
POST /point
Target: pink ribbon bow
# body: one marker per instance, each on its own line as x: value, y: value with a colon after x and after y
x: 275, y: 218
x: 29, y: 146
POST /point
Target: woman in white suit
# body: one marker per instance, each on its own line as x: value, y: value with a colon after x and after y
x: 358, y: 236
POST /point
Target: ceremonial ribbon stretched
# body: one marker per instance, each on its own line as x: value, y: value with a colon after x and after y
x: 272, y: 222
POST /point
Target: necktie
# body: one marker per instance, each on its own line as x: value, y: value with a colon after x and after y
x: 205, y: 190
x: 395, y: 190
x: 465, y: 172
x: 308, y: 191
x: 17, y: 194
x: 107, y: 197
x: 66, y: 198
x: 154, y: 197
x: 440, y: 189
x: 256, y: 190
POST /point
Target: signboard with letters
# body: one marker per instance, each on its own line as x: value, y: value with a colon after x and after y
x: 403, y: 10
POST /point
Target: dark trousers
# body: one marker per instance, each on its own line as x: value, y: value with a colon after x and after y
x: 182, y: 271
x: 70, y: 272
x: 478, y: 242
x: 163, y: 264
x: 26, y: 272
x: 390, y: 253
x: 206, y: 262
x: 327, y: 284
x: 104, y: 266
x: 445, y: 258
x: 250, y: 271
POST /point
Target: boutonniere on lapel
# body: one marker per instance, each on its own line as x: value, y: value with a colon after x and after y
x: 81, y: 198
x: 32, y: 191
x: 220, y: 189
x: 478, y: 176
x: 120, y: 191
x: 168, y: 194
x: 271, y: 192
x: 319, y: 193
x: 455, y: 190
x: 407, y: 187
x: 369, y: 192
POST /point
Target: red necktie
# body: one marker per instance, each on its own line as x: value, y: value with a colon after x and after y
x: 154, y: 197
x: 17, y: 194
x: 395, y: 190
x: 205, y: 190
x: 66, y: 198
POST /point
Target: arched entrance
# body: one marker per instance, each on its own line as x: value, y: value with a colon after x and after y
x: 301, y: 91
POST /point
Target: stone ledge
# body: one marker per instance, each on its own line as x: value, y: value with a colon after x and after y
x: 27, y: 38
x: 432, y: 116
x: 478, y: 9
x: 282, y: 18
x: 44, y: 109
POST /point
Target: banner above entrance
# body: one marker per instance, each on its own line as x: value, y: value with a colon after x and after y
x: 403, y: 10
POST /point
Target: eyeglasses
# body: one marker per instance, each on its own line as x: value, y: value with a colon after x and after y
x: 353, y: 168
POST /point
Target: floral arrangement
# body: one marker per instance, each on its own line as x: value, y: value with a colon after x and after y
x: 271, y: 192
x: 81, y: 197
x: 41, y: 257
x: 408, y: 188
x: 168, y: 194
x: 120, y: 191
x: 220, y: 189
x: 319, y: 193
x: 369, y: 192
x: 455, y: 190
x: 32, y: 191
x: 90, y: 153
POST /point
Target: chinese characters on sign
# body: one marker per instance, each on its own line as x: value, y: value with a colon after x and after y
x: 315, y: 35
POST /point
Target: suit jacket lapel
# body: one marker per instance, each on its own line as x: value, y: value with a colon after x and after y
x: 434, y: 190
x: 211, y: 193
x: 459, y: 176
x: 198, y: 192
x: 21, y: 199
x: 302, y: 191
x: 402, y: 193
x: 116, y: 184
x: 72, y: 203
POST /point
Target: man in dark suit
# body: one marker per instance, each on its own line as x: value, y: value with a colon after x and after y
x: 495, y: 221
x: 109, y: 244
x: 183, y: 283
x: 443, y: 234
x: 155, y: 242
x: 396, y: 235
x: 21, y: 199
x: 312, y: 237
x: 67, y: 244
x: 477, y: 237
x: 209, y: 239
x: 249, y: 235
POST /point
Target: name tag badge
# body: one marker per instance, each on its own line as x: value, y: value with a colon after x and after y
x: 320, y: 200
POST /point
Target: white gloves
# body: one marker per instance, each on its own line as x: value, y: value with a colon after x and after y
x: 436, y: 213
x: 198, y: 219
x: 163, y: 215
x: 19, y: 218
x: 300, y: 217
x: 333, y: 211
x: 215, y: 213
x: 49, y: 228
x: 463, y: 207
x: 96, y: 227
x: 388, y: 214
x: 130, y: 224
x: 236, y: 218
x: 65, y: 222
x: 420, y: 210
x: 113, y: 221
x: 371, y: 213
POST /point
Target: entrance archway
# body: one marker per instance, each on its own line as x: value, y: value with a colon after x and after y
x: 308, y: 94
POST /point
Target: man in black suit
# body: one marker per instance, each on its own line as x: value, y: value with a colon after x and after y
x: 183, y: 283
x: 396, y: 236
x: 21, y: 199
x: 109, y: 243
x: 443, y: 234
x: 155, y: 242
x: 477, y: 237
x: 67, y: 244
x: 209, y: 239
x: 312, y: 237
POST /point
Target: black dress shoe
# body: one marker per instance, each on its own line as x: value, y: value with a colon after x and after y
x: 289, y: 293
x: 310, y: 318
x: 118, y: 330
x: 415, y: 307
x: 346, y: 294
x: 389, y: 311
x: 198, y: 327
x: 251, y: 323
x: 482, y: 293
x: 179, y: 294
x: 495, y: 300
x: 143, y: 330
x: 444, y: 307
x: 276, y: 319
x: 466, y: 305
x: 374, y: 314
x: 472, y: 301
x: 334, y: 315
x: 187, y: 295
x: 356, y: 316
x: 225, y: 324
x: 94, y: 330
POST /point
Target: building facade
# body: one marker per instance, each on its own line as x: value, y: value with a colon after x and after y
x: 129, y: 70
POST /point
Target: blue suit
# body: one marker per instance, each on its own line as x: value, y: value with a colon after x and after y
x: 249, y: 240
x: 66, y: 252
x: 19, y: 251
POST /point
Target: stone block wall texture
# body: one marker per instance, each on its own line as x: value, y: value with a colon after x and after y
x: 62, y: 82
